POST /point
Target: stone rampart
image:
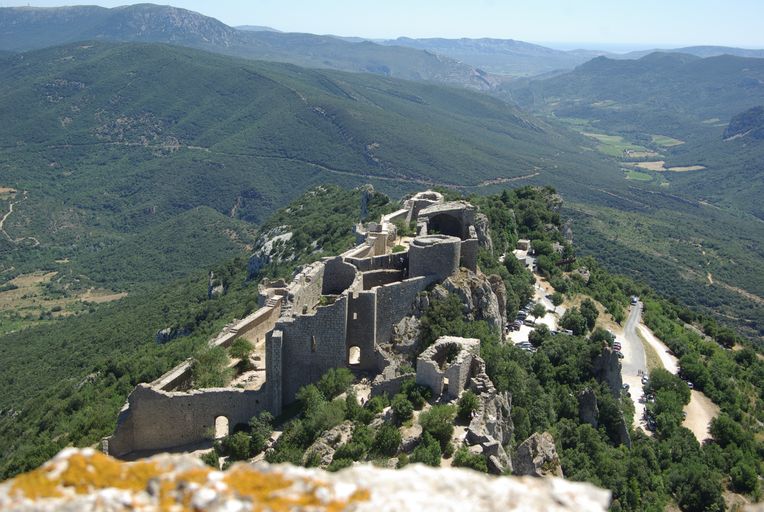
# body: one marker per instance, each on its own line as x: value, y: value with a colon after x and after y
x: 394, y: 301
x: 312, y: 344
x: 159, y: 420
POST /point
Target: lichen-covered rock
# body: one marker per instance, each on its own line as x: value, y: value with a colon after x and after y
x: 537, y: 456
x: 491, y: 426
x: 84, y: 480
x: 500, y: 289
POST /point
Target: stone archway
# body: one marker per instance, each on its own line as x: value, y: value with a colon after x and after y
x: 222, y: 428
x: 354, y: 355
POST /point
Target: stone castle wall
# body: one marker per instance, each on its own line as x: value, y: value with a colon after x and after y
x: 394, y: 301
x: 312, y: 344
x: 158, y: 420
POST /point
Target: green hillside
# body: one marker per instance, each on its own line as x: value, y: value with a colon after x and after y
x: 24, y: 28
x: 104, y: 142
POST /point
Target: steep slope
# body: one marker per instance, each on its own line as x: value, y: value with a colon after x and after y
x: 24, y: 28
x: 746, y: 124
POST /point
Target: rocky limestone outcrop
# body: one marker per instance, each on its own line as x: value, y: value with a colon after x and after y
x: 84, y: 480
x: 500, y: 289
x: 607, y: 368
x: 588, y: 412
x: 328, y: 442
x: 537, y: 456
x: 483, y: 231
x: 491, y: 426
x: 477, y: 297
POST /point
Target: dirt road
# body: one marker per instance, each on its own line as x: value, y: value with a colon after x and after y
x: 701, y: 410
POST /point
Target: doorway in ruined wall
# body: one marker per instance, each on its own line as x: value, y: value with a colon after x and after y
x: 354, y: 355
x: 221, y: 427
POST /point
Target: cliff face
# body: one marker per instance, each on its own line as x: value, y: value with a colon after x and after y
x: 87, y: 480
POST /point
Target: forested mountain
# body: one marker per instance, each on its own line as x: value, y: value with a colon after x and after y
x: 106, y: 142
x: 24, y: 28
x: 665, y: 91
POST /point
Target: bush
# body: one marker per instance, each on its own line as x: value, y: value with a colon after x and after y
x: 338, y: 464
x: 539, y: 335
x: 240, y: 349
x: 427, y: 452
x: 386, y: 441
x: 208, y: 368
x: 211, y: 459
x: 402, y: 408
x: 335, y: 382
x: 468, y: 403
x: 377, y: 404
x: 744, y: 477
x: 416, y: 393
x: 466, y: 459
x: 261, y: 428
x: 237, y: 446
x: 403, y: 460
x: 439, y: 423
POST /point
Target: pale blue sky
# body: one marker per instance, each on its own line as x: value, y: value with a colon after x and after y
x: 619, y: 24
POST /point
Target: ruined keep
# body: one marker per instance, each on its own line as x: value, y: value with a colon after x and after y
x: 333, y: 313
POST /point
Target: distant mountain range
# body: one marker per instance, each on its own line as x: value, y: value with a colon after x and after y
x: 480, y: 64
x: 25, y: 28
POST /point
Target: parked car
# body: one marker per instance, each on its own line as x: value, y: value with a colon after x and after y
x: 645, y: 379
x: 625, y: 387
x: 690, y: 385
x: 529, y: 322
x: 619, y: 354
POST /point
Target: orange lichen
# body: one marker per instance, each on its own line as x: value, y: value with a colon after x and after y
x: 83, y: 473
x: 272, y: 491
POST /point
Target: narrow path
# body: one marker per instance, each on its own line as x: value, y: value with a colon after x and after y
x: 16, y: 241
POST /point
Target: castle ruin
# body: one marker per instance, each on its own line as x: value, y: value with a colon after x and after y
x: 335, y: 313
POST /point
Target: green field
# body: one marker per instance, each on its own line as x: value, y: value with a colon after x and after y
x: 614, y: 145
x: 665, y: 141
x: 637, y: 175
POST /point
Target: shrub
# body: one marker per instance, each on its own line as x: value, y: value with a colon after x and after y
x: 439, y: 423
x: 416, y: 393
x: 386, y: 441
x: 402, y: 408
x: 261, y: 428
x: 208, y: 368
x: 427, y: 452
x: 466, y: 459
x: 468, y: 403
x: 377, y: 404
x: 237, y: 446
x: 211, y: 459
x: 240, y: 349
x: 335, y: 382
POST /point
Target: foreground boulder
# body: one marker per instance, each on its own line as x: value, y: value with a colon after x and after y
x: 85, y: 480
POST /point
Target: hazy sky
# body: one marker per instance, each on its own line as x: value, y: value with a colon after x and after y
x: 637, y: 23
